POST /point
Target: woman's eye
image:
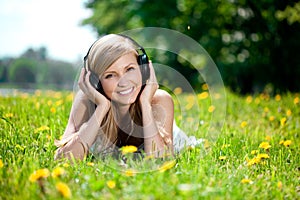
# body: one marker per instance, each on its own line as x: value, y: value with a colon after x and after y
x: 130, y: 68
x: 108, y: 76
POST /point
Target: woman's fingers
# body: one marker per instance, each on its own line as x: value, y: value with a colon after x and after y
x: 81, y: 81
x: 88, y: 89
x: 152, y: 80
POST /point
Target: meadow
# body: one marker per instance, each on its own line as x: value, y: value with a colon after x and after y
x: 255, y: 156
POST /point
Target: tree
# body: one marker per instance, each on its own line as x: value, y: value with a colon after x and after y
x: 23, y: 70
x: 253, y: 44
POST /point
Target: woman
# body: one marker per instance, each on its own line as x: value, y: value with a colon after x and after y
x: 124, y: 112
x: 118, y: 110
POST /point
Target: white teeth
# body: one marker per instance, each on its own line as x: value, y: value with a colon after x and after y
x: 126, y: 91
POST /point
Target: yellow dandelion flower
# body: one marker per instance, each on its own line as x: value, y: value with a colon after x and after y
x: 48, y: 137
x: 266, y: 109
x: 249, y: 99
x: 66, y: 165
x: 38, y: 174
x: 190, y: 99
x: 9, y: 115
x: 281, y: 142
x: 296, y: 100
x: 263, y: 155
x: 265, y: 145
x: 90, y: 164
x: 268, y: 138
x: 179, y: 117
x: 271, y: 118
x: 69, y: 98
x: 225, y: 146
x: 59, y: 102
x: 58, y: 171
x: 211, y: 108
x: 279, y: 185
x: 203, y: 95
x: 128, y: 149
x: 1, y: 163
x: 277, y: 97
x: 243, y: 124
x: 204, y: 86
x: 222, y: 158
x: 24, y: 95
x: 177, y: 91
x: 53, y: 110
x: 57, y: 95
x: 288, y: 112
x: 265, y: 97
x: 190, y: 102
x: 246, y: 181
x: 49, y: 102
x: 130, y: 172
x: 283, y: 121
x: 111, y: 184
x: 206, y: 144
x: 37, y: 105
x: 63, y: 189
x: 253, y: 161
x: 287, y: 143
x: 41, y: 129
x: 253, y: 152
x: 167, y: 165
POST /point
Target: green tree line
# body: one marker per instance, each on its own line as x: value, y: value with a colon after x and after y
x: 33, y: 69
x: 253, y: 43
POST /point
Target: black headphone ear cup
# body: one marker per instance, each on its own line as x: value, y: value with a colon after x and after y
x: 95, y: 82
x: 143, y: 61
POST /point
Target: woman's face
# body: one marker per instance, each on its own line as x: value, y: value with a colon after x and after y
x: 122, y: 81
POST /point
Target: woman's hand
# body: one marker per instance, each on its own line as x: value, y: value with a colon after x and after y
x: 86, y: 87
x: 150, y: 88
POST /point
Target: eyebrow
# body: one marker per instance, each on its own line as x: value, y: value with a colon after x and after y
x: 126, y: 66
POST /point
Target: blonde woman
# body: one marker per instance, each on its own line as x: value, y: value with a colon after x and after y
x: 118, y: 104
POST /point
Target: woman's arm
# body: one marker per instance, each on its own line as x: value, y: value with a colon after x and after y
x: 83, y: 126
x: 81, y: 130
x: 158, y: 114
x: 158, y: 124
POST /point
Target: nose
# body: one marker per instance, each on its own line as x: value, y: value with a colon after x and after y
x: 123, y: 81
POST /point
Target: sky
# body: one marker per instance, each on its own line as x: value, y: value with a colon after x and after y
x: 54, y: 24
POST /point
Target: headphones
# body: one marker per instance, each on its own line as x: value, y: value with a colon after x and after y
x: 142, y: 60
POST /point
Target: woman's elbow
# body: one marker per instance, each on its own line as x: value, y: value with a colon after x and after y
x: 74, y: 149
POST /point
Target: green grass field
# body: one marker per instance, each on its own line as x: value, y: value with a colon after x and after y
x: 255, y: 156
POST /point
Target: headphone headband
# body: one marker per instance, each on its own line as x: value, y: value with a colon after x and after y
x: 139, y: 47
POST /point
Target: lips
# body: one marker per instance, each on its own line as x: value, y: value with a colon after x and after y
x: 126, y: 92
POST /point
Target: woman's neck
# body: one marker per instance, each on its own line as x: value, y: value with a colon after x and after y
x: 121, y: 111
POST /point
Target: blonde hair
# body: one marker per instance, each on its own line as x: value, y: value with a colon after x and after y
x: 103, y: 53
x: 106, y: 50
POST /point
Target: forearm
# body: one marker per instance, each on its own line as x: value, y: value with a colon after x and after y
x: 80, y: 142
x: 90, y: 129
x: 154, y: 144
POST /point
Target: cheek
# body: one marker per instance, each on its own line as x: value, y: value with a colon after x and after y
x: 108, y: 87
x: 137, y: 77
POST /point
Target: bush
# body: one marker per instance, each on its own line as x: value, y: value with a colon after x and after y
x: 23, y: 70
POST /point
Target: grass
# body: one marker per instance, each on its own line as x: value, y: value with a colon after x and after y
x: 256, y: 155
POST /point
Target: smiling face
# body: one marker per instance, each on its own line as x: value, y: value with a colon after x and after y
x: 122, y: 81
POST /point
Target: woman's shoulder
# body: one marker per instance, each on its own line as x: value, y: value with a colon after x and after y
x: 161, y: 97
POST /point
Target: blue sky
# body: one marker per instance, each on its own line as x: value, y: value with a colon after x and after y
x: 51, y: 23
